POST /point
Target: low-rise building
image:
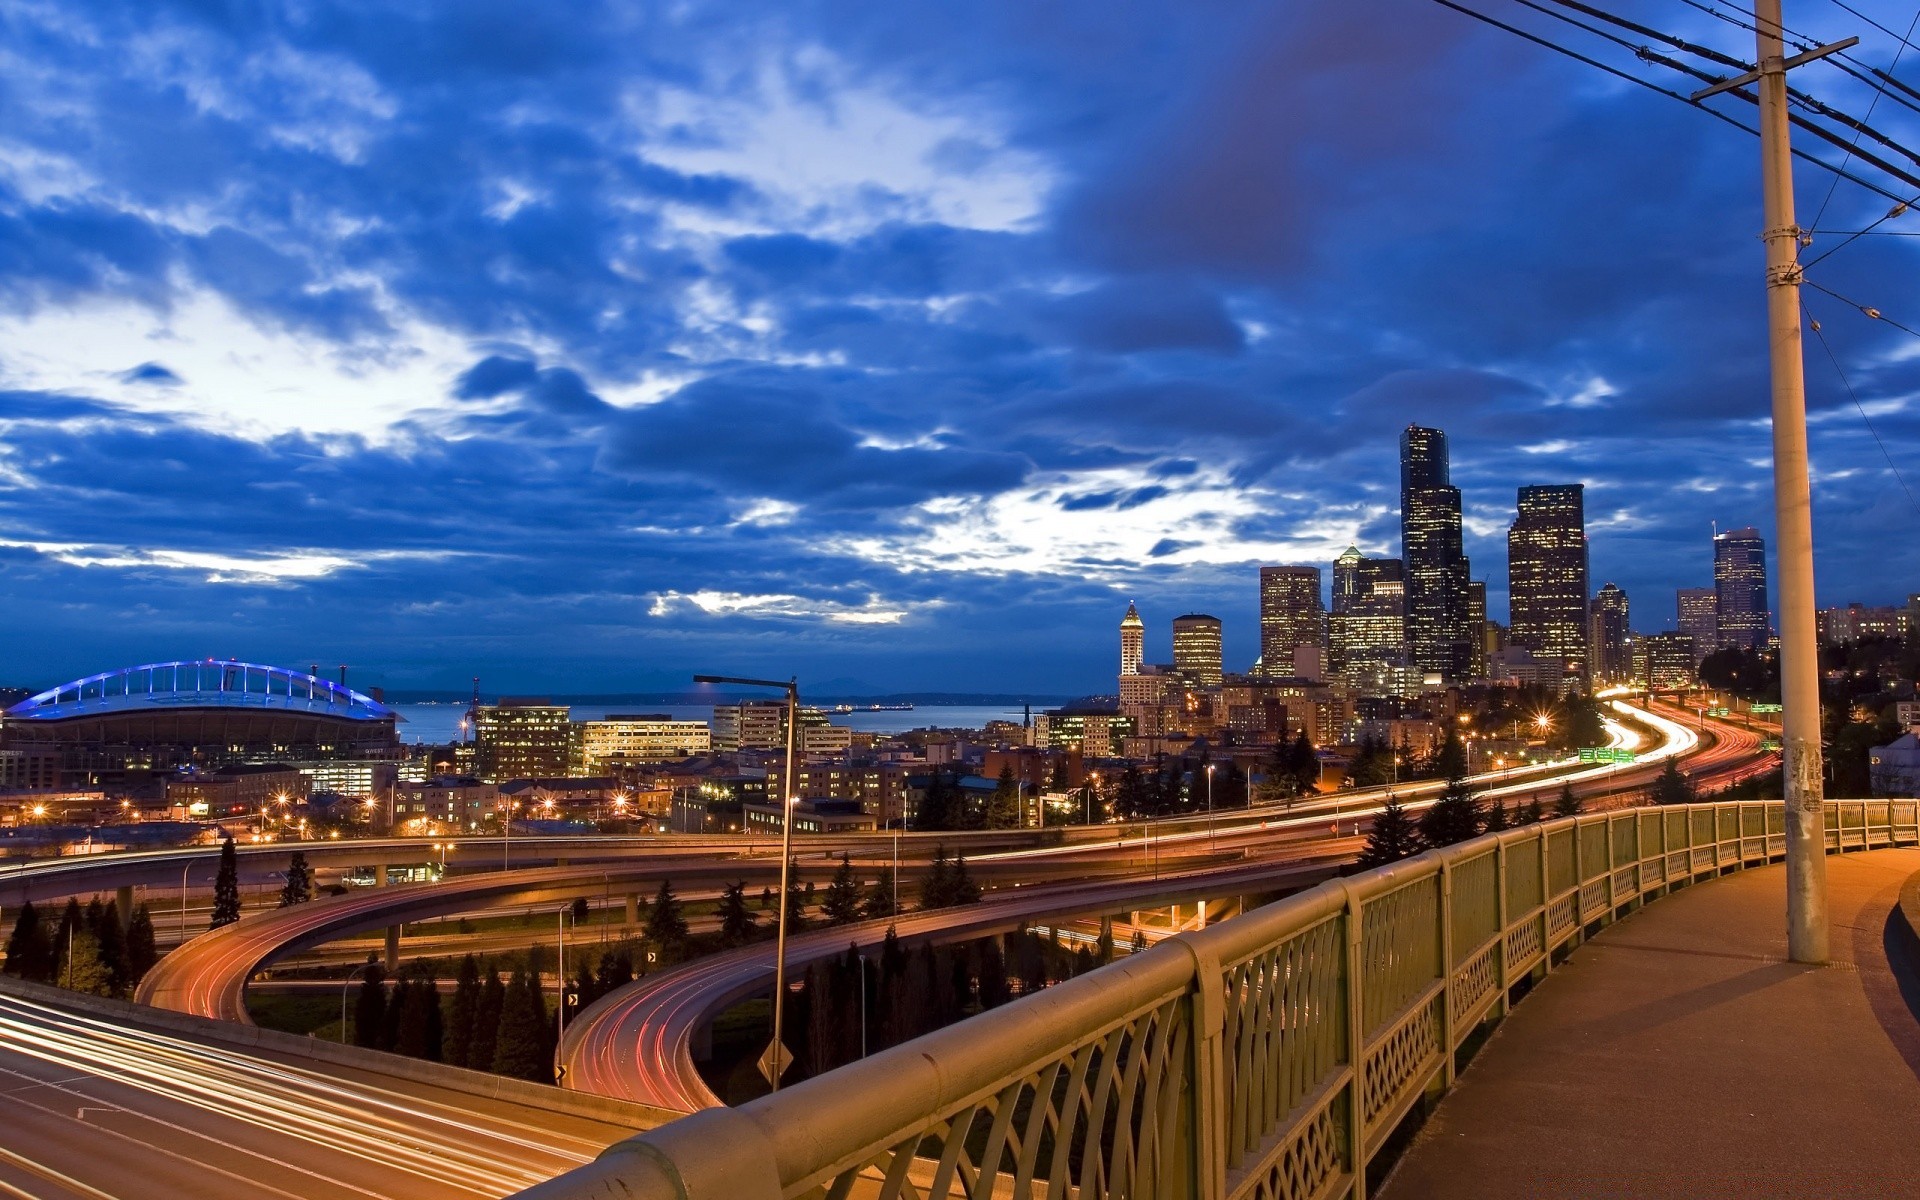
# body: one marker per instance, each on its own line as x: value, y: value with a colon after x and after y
x: 453, y: 802
x: 1895, y: 767
x: 636, y: 738
x: 238, y: 790
x: 812, y: 816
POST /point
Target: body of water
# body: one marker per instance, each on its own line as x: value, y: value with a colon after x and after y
x: 439, y: 723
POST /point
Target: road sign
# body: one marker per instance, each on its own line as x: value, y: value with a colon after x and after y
x: 1606, y: 754
x: 1719, y: 712
x: 774, y: 1061
x: 1764, y: 708
x: 1770, y: 744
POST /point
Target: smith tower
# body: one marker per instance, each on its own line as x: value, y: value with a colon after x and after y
x: 1437, y: 570
x: 1133, y: 641
x: 1547, y: 573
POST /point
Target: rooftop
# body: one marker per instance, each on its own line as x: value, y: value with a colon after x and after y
x: 201, y: 683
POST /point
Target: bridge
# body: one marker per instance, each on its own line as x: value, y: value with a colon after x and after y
x: 1276, y: 1055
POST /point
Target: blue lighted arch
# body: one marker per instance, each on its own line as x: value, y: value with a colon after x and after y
x: 200, y: 683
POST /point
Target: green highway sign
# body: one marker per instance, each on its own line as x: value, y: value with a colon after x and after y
x: 1719, y: 712
x: 1606, y: 754
x: 1770, y: 744
x: 1764, y: 708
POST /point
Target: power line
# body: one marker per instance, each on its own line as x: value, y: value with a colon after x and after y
x: 1877, y: 25
x: 1891, y: 213
x: 1893, y: 466
x: 1834, y: 185
x: 1866, y: 310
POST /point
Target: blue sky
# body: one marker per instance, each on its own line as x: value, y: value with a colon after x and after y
x: 581, y: 346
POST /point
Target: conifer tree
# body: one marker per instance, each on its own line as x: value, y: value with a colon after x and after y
x: 420, y: 1032
x: 1003, y: 808
x: 1533, y: 813
x: 1496, y: 818
x: 936, y: 886
x: 842, y: 904
x: 299, y: 886
x: 30, y: 951
x: 142, y: 953
x: 226, y: 888
x: 370, y: 1009
x: 666, y: 925
x: 879, y: 902
x: 1303, y: 764
x: 737, y: 921
x: 83, y: 969
x: 461, y: 1012
x: 964, y: 889
x: 995, y: 988
x: 615, y: 972
x: 1454, y: 817
x: 1139, y: 943
x: 1103, y: 947
x: 518, y: 1048
x: 1392, y: 838
x: 798, y: 894
x: 1673, y: 787
x: 111, y: 946
x: 486, y: 1020
x: 1566, y: 804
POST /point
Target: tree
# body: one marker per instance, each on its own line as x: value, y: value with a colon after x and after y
x: 965, y: 890
x: 370, y: 1009
x: 84, y: 971
x: 797, y: 897
x: 299, y: 886
x: 580, y: 911
x: 1496, y: 818
x: 226, y: 888
x: 1454, y: 817
x: 936, y: 886
x: 737, y: 921
x: 1673, y: 787
x: 519, y: 1047
x: 879, y: 902
x: 142, y: 953
x: 1372, y: 764
x: 666, y: 925
x: 1392, y: 838
x: 110, y: 941
x: 458, y: 1044
x: 30, y: 952
x: 995, y: 988
x: 486, y: 1020
x: 420, y: 1027
x: 1303, y: 765
x: 1103, y: 946
x: 1451, y: 761
x: 1003, y: 808
x: 616, y: 971
x: 1534, y: 812
x: 1139, y: 943
x: 939, y: 804
x: 1566, y: 804
x: 842, y: 905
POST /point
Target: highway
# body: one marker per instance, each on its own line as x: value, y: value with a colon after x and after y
x: 96, y: 1110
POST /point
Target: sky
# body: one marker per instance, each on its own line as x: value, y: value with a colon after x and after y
x: 897, y: 346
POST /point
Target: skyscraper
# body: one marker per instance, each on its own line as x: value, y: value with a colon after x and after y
x: 1196, y: 649
x: 1133, y: 641
x: 1547, y: 573
x: 1698, y: 610
x: 1740, y: 588
x: 1346, y: 578
x: 1477, y: 626
x: 1436, y: 565
x: 1291, y: 616
x: 1610, y: 637
x: 1355, y: 580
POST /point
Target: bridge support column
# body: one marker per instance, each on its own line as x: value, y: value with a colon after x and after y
x: 393, y: 949
x: 123, y: 903
x: 633, y: 908
x: 380, y: 875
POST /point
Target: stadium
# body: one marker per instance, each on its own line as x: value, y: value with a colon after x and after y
x: 121, y: 727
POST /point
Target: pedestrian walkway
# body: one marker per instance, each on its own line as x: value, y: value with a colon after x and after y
x: 1679, y: 1054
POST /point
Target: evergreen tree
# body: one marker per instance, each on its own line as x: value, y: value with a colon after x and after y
x: 84, y: 970
x: 939, y: 803
x: 1451, y: 760
x: 842, y: 905
x: 879, y: 901
x: 72, y: 921
x: 1372, y: 764
x: 995, y: 988
x: 1392, y: 838
x: 737, y: 922
x: 370, y: 1008
x: 1673, y: 787
x: 1003, y: 808
x: 965, y: 890
x: 1496, y: 818
x: 616, y: 971
x: 299, y: 886
x: 1534, y: 812
x: 766, y: 898
x: 666, y: 925
x: 420, y: 1033
x: 518, y: 1046
x: 936, y: 886
x: 1303, y: 765
x: 1103, y: 947
x: 1566, y: 804
x: 797, y: 897
x: 226, y: 888
x: 1454, y: 817
x: 111, y: 943
x: 30, y: 951
x: 486, y: 1020
x: 1139, y: 943
x: 580, y: 911
x: 142, y: 953
x: 458, y: 1042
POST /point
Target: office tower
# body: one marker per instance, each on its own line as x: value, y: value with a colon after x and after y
x: 1740, y: 588
x: 1374, y: 640
x: 1196, y: 649
x: 1354, y: 580
x: 522, y: 739
x: 1346, y: 578
x: 1477, y: 626
x: 1133, y: 641
x: 1547, y: 573
x: 1436, y: 565
x: 1610, y: 649
x: 1290, y: 616
x: 1698, y: 611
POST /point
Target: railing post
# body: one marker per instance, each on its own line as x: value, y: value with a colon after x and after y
x: 1207, y: 1128
x: 1506, y: 970
x: 1446, y: 969
x: 1356, y: 1047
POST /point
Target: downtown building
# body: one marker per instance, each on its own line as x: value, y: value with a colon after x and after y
x: 1547, y: 575
x: 1196, y: 650
x: 521, y: 738
x: 1292, y: 618
x: 1610, y: 637
x: 1698, y: 616
x: 1740, y: 589
x: 1439, y: 639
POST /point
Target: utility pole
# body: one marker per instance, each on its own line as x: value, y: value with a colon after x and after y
x: 1792, y: 496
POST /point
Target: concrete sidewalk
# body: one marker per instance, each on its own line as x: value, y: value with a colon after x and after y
x: 1678, y: 1054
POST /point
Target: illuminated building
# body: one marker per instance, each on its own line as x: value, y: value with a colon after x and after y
x: 1547, y: 574
x: 522, y: 739
x: 1610, y: 637
x: 1133, y: 641
x: 646, y: 737
x: 1291, y: 616
x: 1196, y: 649
x: 1857, y: 621
x: 1437, y: 569
x: 1740, y: 588
x: 1698, y: 611
x: 1669, y: 661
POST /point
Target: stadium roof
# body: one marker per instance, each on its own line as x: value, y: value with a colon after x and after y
x: 202, y: 683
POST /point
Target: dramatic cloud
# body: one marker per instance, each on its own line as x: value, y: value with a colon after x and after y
x: 582, y: 346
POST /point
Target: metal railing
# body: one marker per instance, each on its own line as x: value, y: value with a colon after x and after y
x: 1269, y: 1057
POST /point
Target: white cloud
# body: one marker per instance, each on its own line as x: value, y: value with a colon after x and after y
x: 271, y: 568
x: 780, y: 606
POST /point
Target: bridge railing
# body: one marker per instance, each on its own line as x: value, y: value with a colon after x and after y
x: 1269, y: 1057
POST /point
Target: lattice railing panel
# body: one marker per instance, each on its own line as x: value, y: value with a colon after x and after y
x: 1476, y: 981
x: 1309, y: 1164
x: 1560, y: 917
x: 1475, y: 903
x: 1399, y: 949
x: 1285, y: 1034
x: 1593, y: 899
x: 1107, y: 1121
x: 1399, y: 1062
x: 1523, y: 944
x: 1561, y: 869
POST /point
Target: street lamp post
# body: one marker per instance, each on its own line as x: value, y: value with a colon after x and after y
x: 347, y: 983
x: 792, y: 689
x: 1210, y: 842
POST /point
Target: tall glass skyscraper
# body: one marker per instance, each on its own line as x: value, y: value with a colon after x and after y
x: 1291, y: 616
x: 1740, y: 588
x: 1196, y: 649
x: 1611, y: 637
x: 1547, y: 573
x: 1438, y: 637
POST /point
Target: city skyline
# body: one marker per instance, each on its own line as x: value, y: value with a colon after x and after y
x: 592, y: 349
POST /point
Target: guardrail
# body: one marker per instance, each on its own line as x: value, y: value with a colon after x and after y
x: 1269, y: 1057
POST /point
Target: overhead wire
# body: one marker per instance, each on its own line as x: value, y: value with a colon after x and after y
x: 1814, y: 324
x: 1866, y: 310
x: 1834, y: 184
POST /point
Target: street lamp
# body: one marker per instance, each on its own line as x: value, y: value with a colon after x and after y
x: 345, y: 984
x: 792, y: 689
x: 1210, y: 843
